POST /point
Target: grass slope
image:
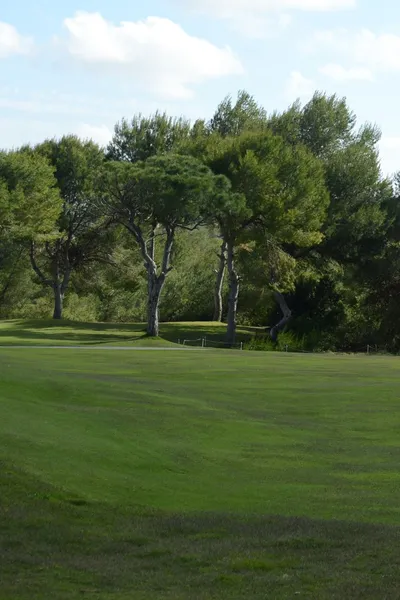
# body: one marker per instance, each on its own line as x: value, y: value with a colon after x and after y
x: 70, y: 333
x: 198, y: 475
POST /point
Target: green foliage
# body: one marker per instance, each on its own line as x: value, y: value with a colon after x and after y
x: 297, y: 197
x: 233, y: 119
x: 326, y: 122
x: 178, y: 189
x: 85, y: 309
x: 281, y: 186
x: 81, y: 235
x: 287, y: 342
x: 168, y: 190
x: 323, y: 125
x: 154, y: 199
x: 332, y: 276
x: 76, y: 164
x: 144, y: 137
x: 29, y: 199
x: 187, y: 295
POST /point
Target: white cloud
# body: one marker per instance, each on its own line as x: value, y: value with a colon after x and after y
x: 156, y: 54
x: 258, y: 18
x: 371, y: 51
x: 12, y: 42
x: 227, y: 8
x: 58, y: 103
x: 341, y: 74
x: 101, y: 134
x: 299, y: 87
x: 41, y: 106
x: 257, y: 26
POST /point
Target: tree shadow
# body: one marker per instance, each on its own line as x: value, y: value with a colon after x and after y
x: 65, y: 331
x: 68, y: 331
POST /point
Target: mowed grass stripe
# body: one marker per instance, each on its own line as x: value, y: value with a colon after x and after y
x: 204, y: 475
x: 243, y: 433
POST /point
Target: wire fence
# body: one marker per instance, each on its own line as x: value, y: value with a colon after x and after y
x: 195, y: 342
x: 221, y: 344
x: 204, y: 342
x: 369, y: 349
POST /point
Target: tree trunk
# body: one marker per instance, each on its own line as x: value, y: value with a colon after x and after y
x: 58, y: 301
x: 234, y: 284
x: 155, y: 285
x: 60, y: 288
x: 155, y: 280
x: 287, y: 314
x: 218, y: 304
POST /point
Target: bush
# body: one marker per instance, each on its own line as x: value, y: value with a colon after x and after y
x: 286, y: 342
x: 84, y: 308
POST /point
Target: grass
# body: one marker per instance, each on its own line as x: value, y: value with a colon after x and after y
x: 71, y: 333
x: 198, y: 475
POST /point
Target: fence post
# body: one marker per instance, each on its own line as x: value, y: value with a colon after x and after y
x: 241, y: 345
x: 202, y: 342
x: 368, y: 349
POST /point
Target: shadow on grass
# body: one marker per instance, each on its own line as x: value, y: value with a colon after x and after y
x: 50, y: 324
x: 72, y: 332
x: 59, y: 545
x: 64, y: 331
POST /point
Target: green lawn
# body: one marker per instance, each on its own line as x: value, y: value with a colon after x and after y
x: 198, y: 474
x: 69, y: 333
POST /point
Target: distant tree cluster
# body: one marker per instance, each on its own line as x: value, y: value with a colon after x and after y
x: 281, y: 220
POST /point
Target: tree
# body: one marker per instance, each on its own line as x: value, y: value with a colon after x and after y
x: 29, y: 207
x: 230, y: 119
x: 12, y: 268
x: 325, y: 124
x: 152, y: 200
x: 80, y: 227
x: 186, y: 296
x: 354, y: 230
x: 29, y: 199
x: 278, y: 196
x: 143, y: 137
x: 233, y: 217
x: 219, y: 283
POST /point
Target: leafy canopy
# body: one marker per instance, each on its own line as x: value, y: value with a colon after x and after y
x: 170, y: 190
x: 29, y: 199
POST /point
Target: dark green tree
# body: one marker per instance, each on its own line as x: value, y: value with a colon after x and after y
x: 278, y: 197
x: 153, y: 200
x: 354, y: 230
x: 143, y: 137
x: 232, y: 118
x: 29, y: 207
x: 79, y: 236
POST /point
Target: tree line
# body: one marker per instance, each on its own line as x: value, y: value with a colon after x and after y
x: 282, y: 220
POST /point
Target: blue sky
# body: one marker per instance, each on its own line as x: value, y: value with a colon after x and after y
x: 78, y: 66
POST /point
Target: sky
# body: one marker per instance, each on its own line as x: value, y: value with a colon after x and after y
x: 79, y: 66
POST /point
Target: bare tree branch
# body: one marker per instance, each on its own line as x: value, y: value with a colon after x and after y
x: 167, y: 252
x: 37, y: 269
x: 287, y: 315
